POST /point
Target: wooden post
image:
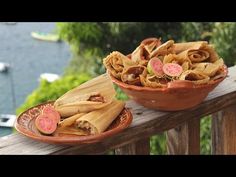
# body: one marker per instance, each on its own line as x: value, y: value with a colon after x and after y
x: 184, y: 139
x: 224, y: 131
x: 141, y: 147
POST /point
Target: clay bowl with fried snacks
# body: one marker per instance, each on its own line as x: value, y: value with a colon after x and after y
x: 176, y: 95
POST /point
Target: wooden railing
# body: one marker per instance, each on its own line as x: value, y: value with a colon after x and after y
x: 182, y: 129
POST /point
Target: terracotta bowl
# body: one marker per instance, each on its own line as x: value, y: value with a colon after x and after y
x: 177, y: 95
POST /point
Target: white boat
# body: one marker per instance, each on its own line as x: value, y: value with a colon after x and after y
x: 7, y: 120
x: 50, y: 77
x: 4, y: 67
x: 45, y: 36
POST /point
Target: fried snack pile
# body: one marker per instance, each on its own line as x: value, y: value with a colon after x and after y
x: 153, y: 64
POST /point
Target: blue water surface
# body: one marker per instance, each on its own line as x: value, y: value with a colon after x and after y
x: 28, y: 58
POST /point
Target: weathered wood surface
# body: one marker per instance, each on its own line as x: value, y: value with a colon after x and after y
x: 141, y: 147
x: 146, y: 123
x: 184, y: 139
x: 224, y: 131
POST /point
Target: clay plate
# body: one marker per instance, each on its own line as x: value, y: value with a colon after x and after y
x: 25, y: 125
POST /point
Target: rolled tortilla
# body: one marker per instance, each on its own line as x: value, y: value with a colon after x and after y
x: 131, y: 75
x: 173, y: 58
x: 196, y: 77
x: 98, y: 121
x: 150, y: 44
x: 116, y: 62
x: 180, y: 47
x: 142, y: 53
x: 196, y: 51
x: 164, y: 49
x: 78, y: 100
x: 208, y: 69
x: 153, y: 81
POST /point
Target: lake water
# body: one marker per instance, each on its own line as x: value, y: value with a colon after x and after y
x: 28, y: 59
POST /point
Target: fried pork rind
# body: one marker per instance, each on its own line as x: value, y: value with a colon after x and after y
x: 209, y: 69
x: 199, y: 61
x: 163, y: 49
x: 151, y: 44
x: 196, y: 77
x: 219, y: 74
x: 132, y: 75
x: 153, y: 81
x: 142, y: 53
x: 173, y: 58
x: 116, y: 62
x: 196, y: 51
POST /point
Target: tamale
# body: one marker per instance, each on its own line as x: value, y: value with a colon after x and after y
x: 98, y: 121
x: 70, y: 120
x: 78, y: 99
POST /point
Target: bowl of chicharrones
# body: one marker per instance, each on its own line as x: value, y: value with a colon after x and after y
x: 166, y: 75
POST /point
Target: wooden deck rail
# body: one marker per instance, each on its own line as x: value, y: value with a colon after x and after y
x: 182, y: 127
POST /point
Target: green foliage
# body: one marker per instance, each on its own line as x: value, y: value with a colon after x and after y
x: 193, y: 31
x: 120, y: 94
x: 90, y: 42
x: 51, y: 91
x: 158, y: 144
x: 205, y: 135
x: 223, y: 38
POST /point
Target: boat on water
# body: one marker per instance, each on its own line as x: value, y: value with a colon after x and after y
x: 50, y: 77
x: 4, y: 67
x: 45, y: 36
x: 7, y: 120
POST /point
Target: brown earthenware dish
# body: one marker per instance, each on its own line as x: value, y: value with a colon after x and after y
x: 177, y: 95
x: 26, y: 126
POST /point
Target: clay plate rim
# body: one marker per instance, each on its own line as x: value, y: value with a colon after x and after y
x: 74, y: 139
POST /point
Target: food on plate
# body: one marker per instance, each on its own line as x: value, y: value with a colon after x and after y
x: 172, y: 69
x: 154, y: 64
x: 197, y: 51
x: 116, y: 62
x: 163, y: 49
x: 144, y: 51
x: 99, y: 120
x: 70, y: 130
x: 46, y: 124
x: 195, y: 76
x: 85, y: 110
x: 94, y: 94
x: 132, y: 75
x: 70, y: 120
x: 49, y: 110
x: 153, y: 81
x: 173, y: 58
